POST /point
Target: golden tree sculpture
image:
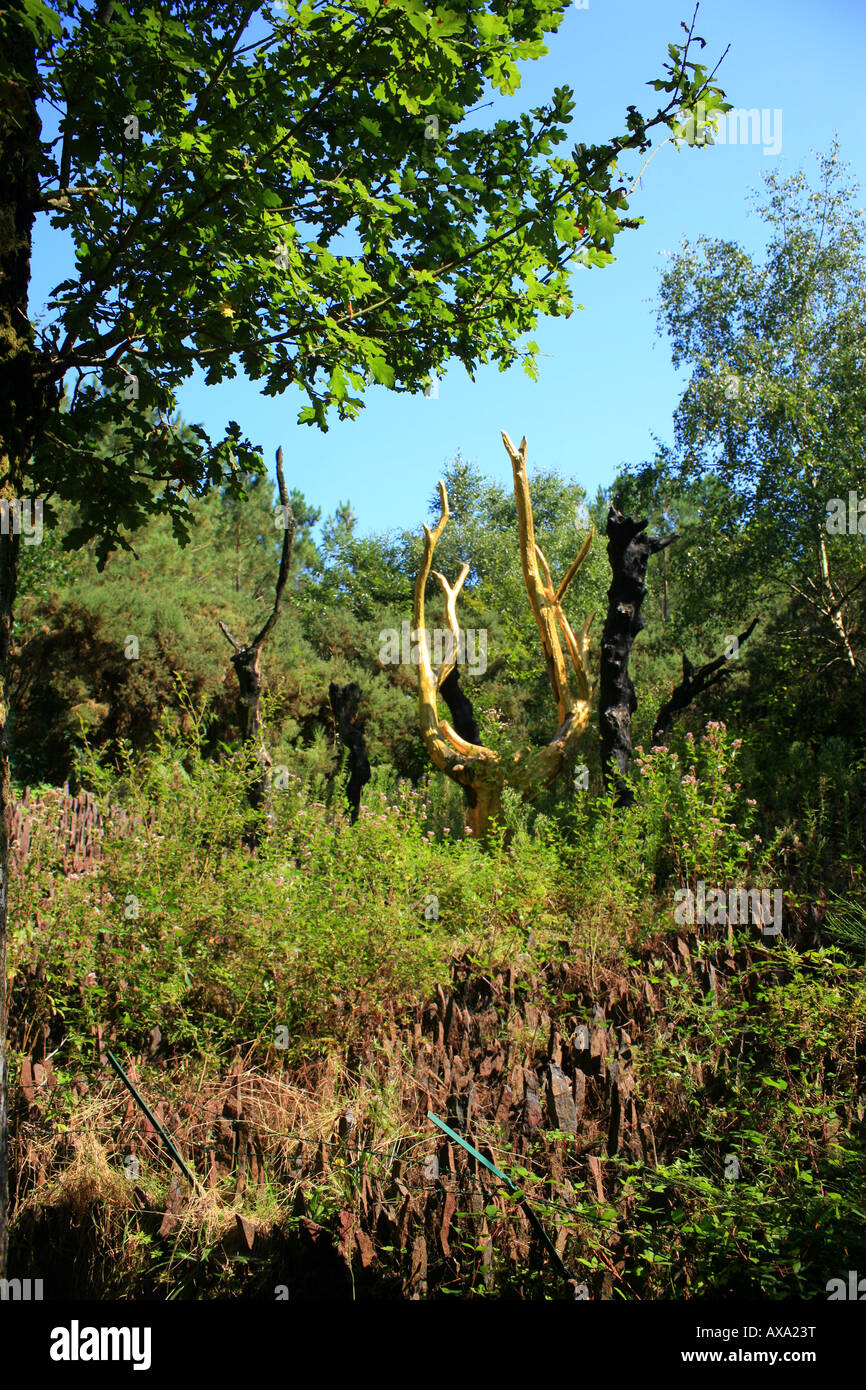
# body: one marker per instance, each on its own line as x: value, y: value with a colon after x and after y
x: 481, y: 771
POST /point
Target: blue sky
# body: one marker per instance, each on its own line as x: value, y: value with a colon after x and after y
x: 606, y: 385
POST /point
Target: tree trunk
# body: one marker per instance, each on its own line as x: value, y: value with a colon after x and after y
x: 345, y: 700
x: 20, y: 411
x: 460, y: 708
x: 248, y: 671
x: 484, y: 804
x: 479, y: 770
x: 463, y: 723
x: 629, y: 550
x: 834, y: 607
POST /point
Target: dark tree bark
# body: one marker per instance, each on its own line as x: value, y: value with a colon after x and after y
x: 462, y: 719
x: 345, y: 700
x: 629, y: 550
x: 248, y: 672
x: 248, y: 669
x: 694, y: 683
x: 460, y: 708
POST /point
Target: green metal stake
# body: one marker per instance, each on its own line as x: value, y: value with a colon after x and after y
x: 153, y: 1120
x: 522, y: 1203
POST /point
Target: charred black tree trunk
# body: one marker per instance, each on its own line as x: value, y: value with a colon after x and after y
x: 462, y: 719
x: 248, y: 671
x: 460, y: 708
x: 694, y: 683
x: 345, y: 700
x: 629, y: 550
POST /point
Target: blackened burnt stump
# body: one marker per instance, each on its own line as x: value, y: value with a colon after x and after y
x: 629, y: 549
x: 345, y: 700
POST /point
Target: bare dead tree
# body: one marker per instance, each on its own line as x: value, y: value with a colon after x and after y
x: 629, y: 549
x: 481, y: 771
x: 694, y: 683
x: 345, y: 700
x: 246, y: 655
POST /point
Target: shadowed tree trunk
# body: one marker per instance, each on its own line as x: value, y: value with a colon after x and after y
x: 460, y: 708
x: 246, y: 662
x: 24, y: 396
x: 629, y: 549
x: 462, y: 720
x: 345, y: 700
x: 694, y: 683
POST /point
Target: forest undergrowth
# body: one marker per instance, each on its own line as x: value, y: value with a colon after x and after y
x: 683, y: 1105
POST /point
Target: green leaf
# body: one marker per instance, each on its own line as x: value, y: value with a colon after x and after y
x: 40, y: 18
x: 382, y: 372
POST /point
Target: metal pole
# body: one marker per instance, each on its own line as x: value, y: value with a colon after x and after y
x: 153, y: 1120
x: 523, y: 1203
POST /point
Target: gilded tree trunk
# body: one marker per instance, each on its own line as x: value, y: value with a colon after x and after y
x: 483, y: 805
x: 454, y: 748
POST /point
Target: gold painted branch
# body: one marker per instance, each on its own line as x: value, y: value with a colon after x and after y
x: 480, y: 770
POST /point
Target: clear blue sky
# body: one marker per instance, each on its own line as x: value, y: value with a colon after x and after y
x: 606, y: 386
